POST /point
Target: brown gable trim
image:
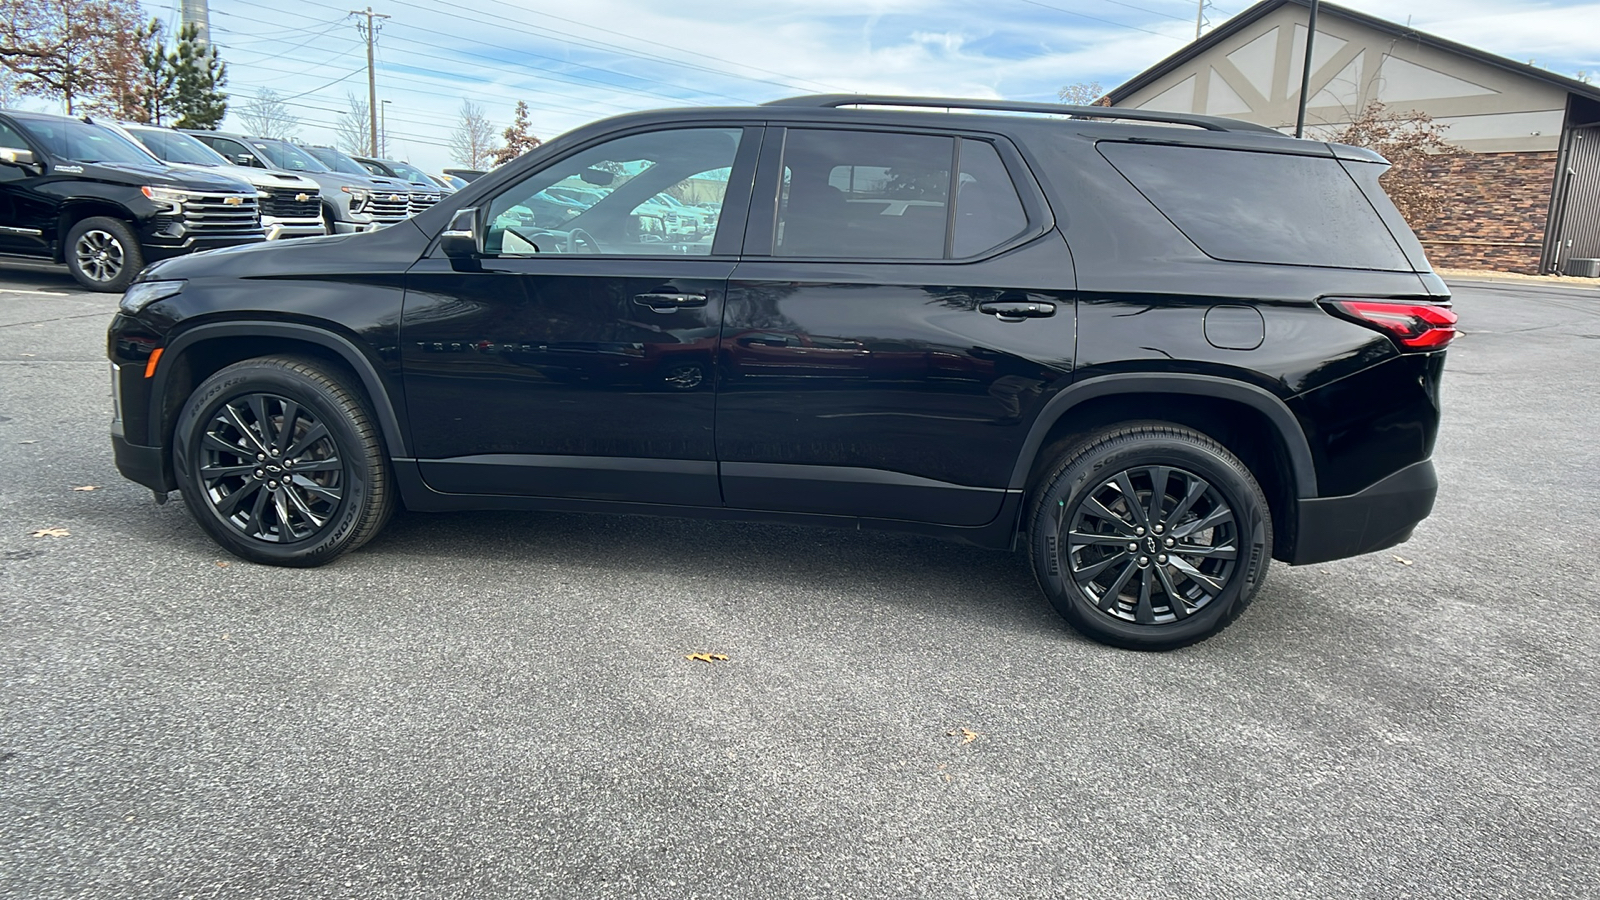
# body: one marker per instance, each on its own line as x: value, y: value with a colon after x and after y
x: 1236, y: 24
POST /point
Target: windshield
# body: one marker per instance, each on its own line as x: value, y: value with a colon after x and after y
x: 409, y: 172
x: 177, y: 147
x: 78, y: 141
x: 287, y: 156
x: 337, y: 161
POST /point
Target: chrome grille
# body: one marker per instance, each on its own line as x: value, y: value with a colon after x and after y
x: 421, y: 200
x: 213, y: 214
x: 387, y: 206
x: 285, y: 203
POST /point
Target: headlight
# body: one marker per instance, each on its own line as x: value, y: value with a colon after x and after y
x: 144, y: 293
x: 358, y: 197
x: 170, y: 196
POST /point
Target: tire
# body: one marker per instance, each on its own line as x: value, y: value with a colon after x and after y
x: 231, y: 467
x: 103, y: 254
x: 1125, y: 578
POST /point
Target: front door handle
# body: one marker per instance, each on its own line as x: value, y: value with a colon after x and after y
x: 666, y: 303
x: 1017, y: 310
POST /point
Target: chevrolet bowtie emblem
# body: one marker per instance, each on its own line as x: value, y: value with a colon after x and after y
x: 395, y: 198
x: 233, y: 201
x: 302, y: 197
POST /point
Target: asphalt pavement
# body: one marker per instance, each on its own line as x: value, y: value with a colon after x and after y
x: 499, y: 705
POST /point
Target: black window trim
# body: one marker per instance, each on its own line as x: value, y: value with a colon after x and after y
x: 731, y: 219
x: 761, y: 232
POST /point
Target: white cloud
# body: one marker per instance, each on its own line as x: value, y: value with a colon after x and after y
x: 712, y: 52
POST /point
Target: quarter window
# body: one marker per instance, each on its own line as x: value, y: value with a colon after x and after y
x: 641, y: 195
x: 988, y: 210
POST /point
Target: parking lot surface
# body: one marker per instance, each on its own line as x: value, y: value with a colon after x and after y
x: 499, y: 705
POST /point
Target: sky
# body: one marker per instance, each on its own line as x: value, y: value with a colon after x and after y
x: 577, y: 62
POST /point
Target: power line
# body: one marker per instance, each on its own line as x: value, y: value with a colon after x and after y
x: 1091, y: 18
x: 596, y: 44
x: 540, y: 74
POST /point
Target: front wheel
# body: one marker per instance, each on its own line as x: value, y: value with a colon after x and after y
x: 103, y: 254
x: 1149, y: 537
x: 280, y: 462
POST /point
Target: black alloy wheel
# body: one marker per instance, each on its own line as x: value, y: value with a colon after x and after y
x: 270, y: 468
x: 1150, y: 537
x: 281, y: 463
x: 1150, y: 545
x: 103, y: 254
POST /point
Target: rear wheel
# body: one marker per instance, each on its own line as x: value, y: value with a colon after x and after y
x: 280, y: 462
x: 1149, y: 537
x: 103, y: 254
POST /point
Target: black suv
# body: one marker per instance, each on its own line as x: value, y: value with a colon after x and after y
x: 1159, y: 349
x: 76, y: 193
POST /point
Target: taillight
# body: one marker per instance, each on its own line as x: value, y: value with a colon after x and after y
x: 1414, y: 326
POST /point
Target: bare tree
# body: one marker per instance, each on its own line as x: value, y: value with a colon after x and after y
x: 354, y: 128
x: 75, y: 50
x: 267, y: 116
x: 1084, y: 93
x: 1416, y: 150
x: 472, y: 144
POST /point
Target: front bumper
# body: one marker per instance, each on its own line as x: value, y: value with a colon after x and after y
x: 291, y: 228
x: 145, y: 465
x: 354, y: 227
x: 1379, y: 517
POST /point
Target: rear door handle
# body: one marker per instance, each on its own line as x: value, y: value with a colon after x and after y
x: 666, y: 303
x: 1017, y: 310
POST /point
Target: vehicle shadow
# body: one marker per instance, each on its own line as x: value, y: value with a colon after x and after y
x: 18, y: 275
x: 935, y: 576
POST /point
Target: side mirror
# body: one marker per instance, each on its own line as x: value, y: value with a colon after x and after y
x: 597, y: 177
x: 244, y: 159
x: 463, y: 239
x: 12, y: 157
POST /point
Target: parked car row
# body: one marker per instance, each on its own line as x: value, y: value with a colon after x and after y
x: 104, y: 198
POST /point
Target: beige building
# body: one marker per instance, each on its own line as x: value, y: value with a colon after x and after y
x: 1525, y: 196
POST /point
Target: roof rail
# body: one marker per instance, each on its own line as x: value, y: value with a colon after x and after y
x: 1209, y: 123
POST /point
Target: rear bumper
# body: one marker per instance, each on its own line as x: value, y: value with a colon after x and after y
x: 1381, y: 516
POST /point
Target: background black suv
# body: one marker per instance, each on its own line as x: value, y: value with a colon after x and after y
x: 1165, y: 351
x: 76, y: 193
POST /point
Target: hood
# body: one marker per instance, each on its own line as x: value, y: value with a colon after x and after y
x: 390, y: 251
x: 261, y: 178
x: 156, y: 175
x: 242, y: 180
x: 332, y: 181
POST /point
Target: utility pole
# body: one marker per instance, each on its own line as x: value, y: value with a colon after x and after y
x: 370, y: 32
x: 1199, y: 17
x: 1305, y: 72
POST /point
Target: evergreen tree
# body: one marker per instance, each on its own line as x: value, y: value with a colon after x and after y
x: 153, y: 104
x: 518, y: 139
x: 198, y: 101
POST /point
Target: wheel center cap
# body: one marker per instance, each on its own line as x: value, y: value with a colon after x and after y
x: 1151, y: 544
x: 274, y: 468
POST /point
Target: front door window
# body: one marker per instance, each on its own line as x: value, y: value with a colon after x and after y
x: 643, y: 195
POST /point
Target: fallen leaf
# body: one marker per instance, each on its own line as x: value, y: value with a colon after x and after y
x: 50, y: 532
x: 705, y: 657
x: 222, y: 565
x: 87, y: 487
x: 1402, y: 560
x: 967, y: 735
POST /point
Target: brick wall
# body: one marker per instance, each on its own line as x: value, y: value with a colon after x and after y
x: 1495, y: 216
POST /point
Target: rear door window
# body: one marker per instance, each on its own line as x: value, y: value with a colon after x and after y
x: 887, y: 195
x: 1248, y: 206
